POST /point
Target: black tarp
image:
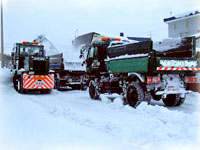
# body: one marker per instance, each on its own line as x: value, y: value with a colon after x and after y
x: 129, y: 49
x: 186, y: 48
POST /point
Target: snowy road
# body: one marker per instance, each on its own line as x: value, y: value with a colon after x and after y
x: 71, y: 120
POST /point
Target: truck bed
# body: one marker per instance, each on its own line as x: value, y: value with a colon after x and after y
x: 133, y: 57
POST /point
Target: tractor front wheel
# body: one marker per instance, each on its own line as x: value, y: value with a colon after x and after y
x: 93, y: 90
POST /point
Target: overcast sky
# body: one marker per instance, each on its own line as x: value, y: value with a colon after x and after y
x: 59, y: 19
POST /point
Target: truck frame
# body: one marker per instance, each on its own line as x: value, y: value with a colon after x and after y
x: 68, y: 75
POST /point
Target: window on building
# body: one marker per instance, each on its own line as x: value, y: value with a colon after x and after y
x: 184, y: 34
x: 187, y: 24
x: 174, y: 26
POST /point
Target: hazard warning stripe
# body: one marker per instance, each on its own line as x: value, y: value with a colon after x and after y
x: 33, y: 86
x: 49, y: 81
x: 177, y: 69
x: 30, y: 84
x: 26, y: 84
x: 25, y: 76
x: 29, y: 81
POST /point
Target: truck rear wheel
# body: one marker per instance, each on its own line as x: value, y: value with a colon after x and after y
x: 135, y: 94
x: 180, y: 101
x: 93, y: 90
x: 173, y: 100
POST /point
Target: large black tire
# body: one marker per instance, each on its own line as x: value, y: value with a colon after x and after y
x: 20, y: 86
x: 156, y: 97
x: 15, y: 83
x: 93, y: 90
x: 173, y: 100
x: 180, y: 101
x: 134, y: 94
x: 56, y: 82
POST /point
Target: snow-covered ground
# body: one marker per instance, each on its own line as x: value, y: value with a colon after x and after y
x: 71, y: 120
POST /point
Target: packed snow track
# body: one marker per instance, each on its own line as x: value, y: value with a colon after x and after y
x: 71, y: 120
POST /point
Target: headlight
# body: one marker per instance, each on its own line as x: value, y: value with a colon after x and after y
x: 95, y: 63
x: 31, y: 72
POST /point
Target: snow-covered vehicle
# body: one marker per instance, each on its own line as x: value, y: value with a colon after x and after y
x: 141, y: 71
x: 31, y: 68
x: 68, y: 75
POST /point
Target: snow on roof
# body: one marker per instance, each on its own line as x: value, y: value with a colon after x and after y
x: 183, y: 15
x: 167, y: 44
x: 124, y: 41
x: 196, y: 35
x: 187, y: 14
x: 127, y: 56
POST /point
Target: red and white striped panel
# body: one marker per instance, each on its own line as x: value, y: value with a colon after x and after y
x: 177, y: 69
x: 38, y: 81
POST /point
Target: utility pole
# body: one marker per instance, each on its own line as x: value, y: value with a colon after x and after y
x: 2, y: 46
x: 150, y: 34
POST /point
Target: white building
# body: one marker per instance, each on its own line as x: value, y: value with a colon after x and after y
x: 184, y: 25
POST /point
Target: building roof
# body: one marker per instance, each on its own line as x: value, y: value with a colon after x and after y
x: 180, y: 16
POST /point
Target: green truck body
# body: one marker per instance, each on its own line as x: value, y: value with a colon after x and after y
x: 140, y: 65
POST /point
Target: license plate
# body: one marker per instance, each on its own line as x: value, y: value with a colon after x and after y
x: 39, y: 83
x: 171, y: 88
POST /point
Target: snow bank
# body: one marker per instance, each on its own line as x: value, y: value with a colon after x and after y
x: 150, y: 125
x: 71, y: 120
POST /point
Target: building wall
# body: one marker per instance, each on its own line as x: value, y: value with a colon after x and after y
x: 184, y: 27
x: 198, y: 44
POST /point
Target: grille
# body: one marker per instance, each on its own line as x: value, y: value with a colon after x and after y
x: 40, y: 67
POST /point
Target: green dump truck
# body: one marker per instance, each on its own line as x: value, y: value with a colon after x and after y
x: 142, y: 70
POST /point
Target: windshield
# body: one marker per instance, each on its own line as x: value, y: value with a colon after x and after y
x: 92, y: 52
x: 31, y: 50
